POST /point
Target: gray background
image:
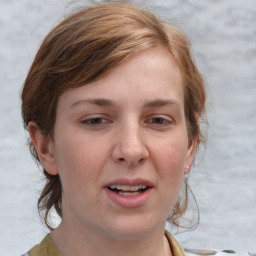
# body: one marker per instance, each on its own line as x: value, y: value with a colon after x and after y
x: 223, y: 35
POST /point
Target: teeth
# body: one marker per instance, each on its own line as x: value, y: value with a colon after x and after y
x: 128, y: 193
x: 128, y: 188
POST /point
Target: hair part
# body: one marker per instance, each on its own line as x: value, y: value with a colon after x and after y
x: 85, y: 47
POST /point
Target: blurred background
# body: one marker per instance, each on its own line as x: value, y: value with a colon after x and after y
x: 223, y: 36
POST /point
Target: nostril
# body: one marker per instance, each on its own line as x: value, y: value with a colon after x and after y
x: 130, y: 163
x: 141, y: 160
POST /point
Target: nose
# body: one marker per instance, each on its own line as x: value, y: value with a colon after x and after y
x: 129, y: 147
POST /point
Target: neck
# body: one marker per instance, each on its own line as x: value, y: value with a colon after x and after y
x: 74, y: 242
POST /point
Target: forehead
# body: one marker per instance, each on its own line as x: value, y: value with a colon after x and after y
x: 145, y: 75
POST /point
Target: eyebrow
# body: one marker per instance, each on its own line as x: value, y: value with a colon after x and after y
x: 96, y: 101
x: 109, y: 103
x: 161, y: 103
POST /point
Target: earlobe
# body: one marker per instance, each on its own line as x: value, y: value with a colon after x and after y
x: 190, y: 156
x: 44, y: 148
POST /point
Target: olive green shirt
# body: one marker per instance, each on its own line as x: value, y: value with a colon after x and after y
x: 47, y: 247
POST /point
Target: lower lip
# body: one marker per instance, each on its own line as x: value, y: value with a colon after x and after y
x: 129, y: 201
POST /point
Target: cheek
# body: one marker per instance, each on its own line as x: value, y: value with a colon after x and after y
x: 79, y: 160
x: 171, y: 169
x: 171, y: 153
x: 169, y: 163
x: 77, y: 173
x: 169, y: 160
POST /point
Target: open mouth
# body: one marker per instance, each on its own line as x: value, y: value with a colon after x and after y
x: 126, y: 190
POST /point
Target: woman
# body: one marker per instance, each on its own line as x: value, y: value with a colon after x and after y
x: 112, y: 103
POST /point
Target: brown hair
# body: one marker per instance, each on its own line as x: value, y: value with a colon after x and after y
x: 84, y: 47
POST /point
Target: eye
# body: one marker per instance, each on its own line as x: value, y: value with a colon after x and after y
x: 159, y: 121
x: 95, y: 121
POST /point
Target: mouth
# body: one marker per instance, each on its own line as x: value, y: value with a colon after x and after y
x: 127, y: 190
x: 129, y: 193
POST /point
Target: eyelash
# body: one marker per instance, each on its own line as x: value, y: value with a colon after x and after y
x: 163, y: 121
x: 157, y: 121
x: 89, y: 122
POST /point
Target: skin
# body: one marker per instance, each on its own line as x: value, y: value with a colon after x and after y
x: 129, y: 124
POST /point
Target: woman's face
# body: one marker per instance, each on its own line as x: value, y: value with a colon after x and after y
x: 121, y: 148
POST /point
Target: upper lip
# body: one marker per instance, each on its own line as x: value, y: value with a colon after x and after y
x: 129, y: 182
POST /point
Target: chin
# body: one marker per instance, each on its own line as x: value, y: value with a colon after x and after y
x: 132, y: 229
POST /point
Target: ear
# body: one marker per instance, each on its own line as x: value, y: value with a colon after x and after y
x: 44, y: 147
x: 190, y: 155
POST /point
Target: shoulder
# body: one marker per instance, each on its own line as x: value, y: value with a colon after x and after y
x: 176, y: 248
x: 45, y: 248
